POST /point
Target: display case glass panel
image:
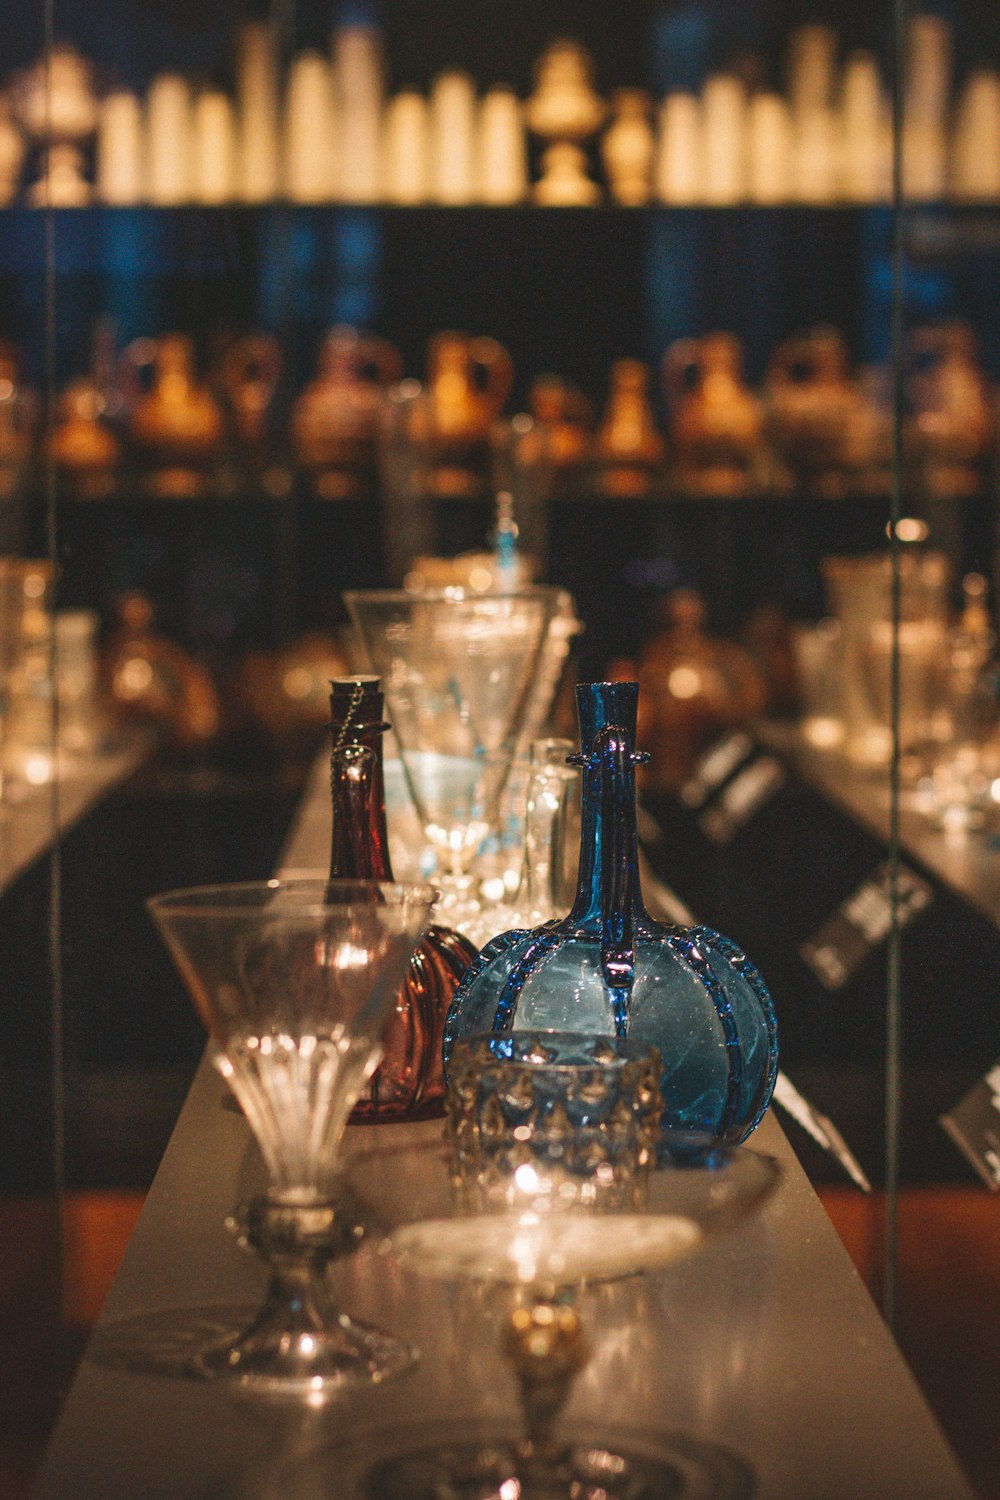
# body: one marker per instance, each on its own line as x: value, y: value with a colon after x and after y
x: 686, y: 308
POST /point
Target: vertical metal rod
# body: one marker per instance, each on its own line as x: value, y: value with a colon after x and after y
x: 54, y: 955
x: 893, y: 1006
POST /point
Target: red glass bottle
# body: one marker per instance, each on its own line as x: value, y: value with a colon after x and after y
x: 409, y: 1082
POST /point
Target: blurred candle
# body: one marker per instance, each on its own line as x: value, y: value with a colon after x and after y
x: 360, y: 89
x: 214, y: 153
x: 168, y: 139
x: 119, y: 160
x: 724, y: 139
x: 405, y: 149
x: 452, y: 149
x: 309, y: 131
x: 257, y: 103
x: 815, y: 155
x: 501, y: 149
x: 812, y: 59
x: 769, y: 149
x: 677, y: 164
x: 862, y: 122
x: 975, y: 154
x: 926, y: 91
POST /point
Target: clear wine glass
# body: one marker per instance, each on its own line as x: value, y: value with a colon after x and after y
x: 577, y: 1192
x: 293, y: 980
x: 457, y: 670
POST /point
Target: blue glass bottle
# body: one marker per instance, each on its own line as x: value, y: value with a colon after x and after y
x: 609, y: 968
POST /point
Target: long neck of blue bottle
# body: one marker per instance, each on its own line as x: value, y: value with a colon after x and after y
x: 609, y: 846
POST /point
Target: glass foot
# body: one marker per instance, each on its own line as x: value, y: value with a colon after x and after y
x: 244, y: 1346
x: 475, y: 1461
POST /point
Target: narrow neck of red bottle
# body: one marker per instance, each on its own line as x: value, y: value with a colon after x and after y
x: 359, y: 847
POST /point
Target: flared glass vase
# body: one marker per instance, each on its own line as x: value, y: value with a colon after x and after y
x: 609, y: 968
x: 409, y: 1082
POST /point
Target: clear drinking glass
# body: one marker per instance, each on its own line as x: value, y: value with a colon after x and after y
x: 457, y: 670
x: 293, y: 979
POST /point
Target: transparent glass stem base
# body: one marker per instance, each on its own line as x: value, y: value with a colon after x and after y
x: 544, y: 1343
x: 301, y: 1343
x: 480, y: 1461
x: 298, y: 1345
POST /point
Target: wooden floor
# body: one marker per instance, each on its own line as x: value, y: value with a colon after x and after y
x: 55, y: 1271
x: 948, y: 1305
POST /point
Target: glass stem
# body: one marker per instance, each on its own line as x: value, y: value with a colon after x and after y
x: 545, y: 1344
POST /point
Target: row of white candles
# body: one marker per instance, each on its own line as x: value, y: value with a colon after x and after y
x: 331, y: 135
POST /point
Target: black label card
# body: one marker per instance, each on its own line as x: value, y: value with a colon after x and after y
x: 743, y: 797
x: 974, y: 1126
x: 861, y: 923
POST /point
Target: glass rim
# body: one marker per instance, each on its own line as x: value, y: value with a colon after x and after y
x: 452, y: 594
x: 241, y: 898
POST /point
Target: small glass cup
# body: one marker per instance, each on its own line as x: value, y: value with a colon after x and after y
x: 553, y: 1120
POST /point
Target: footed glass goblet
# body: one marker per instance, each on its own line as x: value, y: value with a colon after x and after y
x: 458, y: 670
x: 572, y: 1194
x: 294, y: 979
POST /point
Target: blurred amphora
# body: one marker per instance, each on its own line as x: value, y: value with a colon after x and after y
x: 335, y: 419
x: 468, y: 381
x: 813, y: 405
x: 176, y: 424
x: 693, y: 686
x: 951, y: 426
x: 248, y: 377
x: 87, y: 433
x: 151, y: 680
x: 716, y: 421
x: 18, y: 419
x: 628, y: 449
x: 565, y: 417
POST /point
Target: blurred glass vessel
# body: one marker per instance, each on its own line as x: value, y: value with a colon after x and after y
x: 27, y: 709
x: 609, y: 968
x: 716, y: 421
x: 951, y: 429
x: 293, y: 980
x: 468, y: 381
x: 457, y: 672
x: 335, y: 418
x: 628, y: 450
x: 813, y: 406
x: 18, y: 420
x: 176, y: 425
x: 694, y: 686
x: 566, y: 418
x: 248, y: 378
x: 86, y: 440
x: 409, y: 1081
x: 860, y: 591
x: 540, y: 894
x: 149, y: 679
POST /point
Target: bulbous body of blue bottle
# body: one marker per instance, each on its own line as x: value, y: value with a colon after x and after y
x: 609, y: 968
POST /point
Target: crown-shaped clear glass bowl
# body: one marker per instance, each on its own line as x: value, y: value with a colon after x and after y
x: 555, y: 1173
